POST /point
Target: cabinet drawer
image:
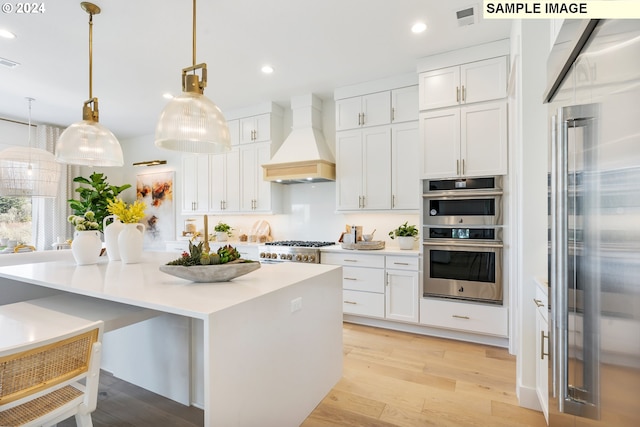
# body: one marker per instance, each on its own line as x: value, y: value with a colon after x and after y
x: 353, y: 260
x: 363, y: 279
x: 402, y: 262
x: 483, y: 319
x: 363, y: 303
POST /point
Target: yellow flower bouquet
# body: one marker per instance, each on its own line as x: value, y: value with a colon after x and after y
x: 128, y: 214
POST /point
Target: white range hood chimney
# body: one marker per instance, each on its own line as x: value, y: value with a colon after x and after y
x: 304, y: 156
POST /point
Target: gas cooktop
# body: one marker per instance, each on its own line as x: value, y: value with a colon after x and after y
x: 300, y: 243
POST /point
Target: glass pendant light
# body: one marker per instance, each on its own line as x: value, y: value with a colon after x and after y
x: 191, y: 122
x: 28, y: 171
x: 88, y: 143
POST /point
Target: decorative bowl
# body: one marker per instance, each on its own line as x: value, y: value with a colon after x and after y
x: 211, y: 273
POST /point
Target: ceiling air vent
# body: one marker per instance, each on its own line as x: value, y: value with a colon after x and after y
x: 467, y: 16
x: 8, y: 63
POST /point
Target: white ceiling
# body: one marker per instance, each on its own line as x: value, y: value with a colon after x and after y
x: 141, y: 46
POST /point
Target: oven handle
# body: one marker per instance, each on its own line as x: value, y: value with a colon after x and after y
x: 465, y: 244
x: 466, y: 195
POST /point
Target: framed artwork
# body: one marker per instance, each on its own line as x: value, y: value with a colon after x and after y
x: 156, y: 191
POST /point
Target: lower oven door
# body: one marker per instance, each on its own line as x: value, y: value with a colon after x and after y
x: 463, y: 270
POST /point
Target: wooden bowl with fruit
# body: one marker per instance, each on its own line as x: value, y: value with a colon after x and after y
x: 201, y: 266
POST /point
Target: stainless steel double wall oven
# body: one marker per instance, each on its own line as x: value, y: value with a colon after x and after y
x: 462, y: 239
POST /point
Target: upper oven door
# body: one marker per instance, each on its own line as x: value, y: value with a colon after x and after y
x: 459, y: 209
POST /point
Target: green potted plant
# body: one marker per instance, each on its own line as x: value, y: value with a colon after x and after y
x: 95, y: 197
x: 406, y: 235
x: 223, y: 231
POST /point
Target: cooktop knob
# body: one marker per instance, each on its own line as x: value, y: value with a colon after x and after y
x: 289, y: 256
x: 298, y: 257
x: 283, y: 256
x: 312, y: 258
x: 263, y: 255
x: 274, y: 256
x: 305, y: 258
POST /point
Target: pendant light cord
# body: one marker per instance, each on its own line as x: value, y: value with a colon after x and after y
x: 194, y: 35
x: 90, y: 55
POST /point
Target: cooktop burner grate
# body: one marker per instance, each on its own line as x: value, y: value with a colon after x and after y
x: 300, y: 243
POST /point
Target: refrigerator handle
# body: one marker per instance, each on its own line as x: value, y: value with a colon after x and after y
x: 571, y: 399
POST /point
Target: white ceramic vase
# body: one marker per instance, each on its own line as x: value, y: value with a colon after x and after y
x: 86, y: 247
x: 130, y: 243
x: 221, y: 236
x: 111, y: 233
x: 406, y: 242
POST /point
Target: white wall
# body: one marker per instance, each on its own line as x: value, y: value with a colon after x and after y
x: 530, y: 180
x: 14, y: 134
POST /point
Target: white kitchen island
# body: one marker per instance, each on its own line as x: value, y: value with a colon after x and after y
x: 271, y: 345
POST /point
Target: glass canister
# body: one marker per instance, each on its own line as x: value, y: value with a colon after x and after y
x: 189, y: 227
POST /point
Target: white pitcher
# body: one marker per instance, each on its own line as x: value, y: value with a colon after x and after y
x: 111, y: 233
x: 86, y: 247
x: 130, y: 243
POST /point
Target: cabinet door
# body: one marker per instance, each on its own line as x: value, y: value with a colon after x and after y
x: 376, y: 109
x: 484, y: 139
x: 405, y: 166
x: 542, y: 362
x: 348, y: 113
x: 247, y: 130
x: 439, y: 88
x: 404, y: 104
x: 401, y: 296
x: 349, y: 170
x: 195, y: 183
x: 218, y: 183
x: 376, y: 159
x: 232, y: 181
x: 262, y: 128
x: 484, y: 80
x: 248, y: 182
x: 263, y: 188
x: 440, y: 138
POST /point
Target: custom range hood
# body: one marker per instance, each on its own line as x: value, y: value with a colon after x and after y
x: 304, y: 156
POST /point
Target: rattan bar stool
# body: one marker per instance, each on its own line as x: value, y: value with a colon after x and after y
x: 39, y: 381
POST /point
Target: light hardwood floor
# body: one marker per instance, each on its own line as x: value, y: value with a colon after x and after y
x: 390, y: 379
x: 399, y: 379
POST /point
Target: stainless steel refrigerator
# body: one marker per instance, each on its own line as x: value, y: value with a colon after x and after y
x: 594, y: 233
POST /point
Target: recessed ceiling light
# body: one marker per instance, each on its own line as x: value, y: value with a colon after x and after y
x: 418, y: 27
x: 167, y: 95
x: 267, y: 69
x: 6, y: 34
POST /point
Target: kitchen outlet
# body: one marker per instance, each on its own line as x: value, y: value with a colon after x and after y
x: 296, y: 304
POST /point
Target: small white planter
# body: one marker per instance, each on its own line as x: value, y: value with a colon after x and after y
x: 221, y: 236
x: 406, y: 242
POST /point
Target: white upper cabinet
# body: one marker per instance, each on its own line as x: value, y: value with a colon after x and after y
x: 363, y: 111
x: 255, y: 193
x: 224, y: 184
x: 404, y: 104
x: 477, y: 81
x: 195, y: 183
x: 363, y: 169
x: 405, y: 166
x: 255, y: 129
x: 468, y: 141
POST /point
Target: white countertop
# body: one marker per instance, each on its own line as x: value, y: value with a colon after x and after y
x: 388, y: 250
x: 144, y: 285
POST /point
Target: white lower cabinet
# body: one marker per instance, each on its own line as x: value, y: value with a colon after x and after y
x: 402, y: 288
x: 542, y: 349
x: 362, y: 282
x: 379, y: 286
x: 463, y: 316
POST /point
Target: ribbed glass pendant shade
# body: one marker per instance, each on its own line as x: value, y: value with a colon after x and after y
x: 29, y: 172
x: 88, y: 143
x: 192, y: 123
